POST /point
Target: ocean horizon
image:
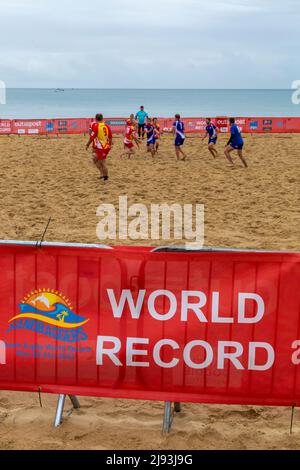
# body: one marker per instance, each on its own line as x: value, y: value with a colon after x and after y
x: 38, y: 103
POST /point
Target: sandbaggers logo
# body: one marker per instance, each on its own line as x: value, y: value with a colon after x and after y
x: 49, y: 313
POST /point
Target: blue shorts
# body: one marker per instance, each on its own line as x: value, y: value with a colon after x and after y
x: 179, y: 141
x: 212, y: 140
x: 151, y: 142
x: 237, y: 147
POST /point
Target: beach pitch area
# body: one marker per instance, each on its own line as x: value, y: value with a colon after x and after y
x: 258, y: 207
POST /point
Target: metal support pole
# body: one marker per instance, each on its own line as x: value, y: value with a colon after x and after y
x: 60, y: 407
x: 75, y: 402
x: 177, y: 407
x: 167, y: 417
x: 59, y: 410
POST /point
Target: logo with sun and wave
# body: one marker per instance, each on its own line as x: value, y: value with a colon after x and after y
x: 50, y: 313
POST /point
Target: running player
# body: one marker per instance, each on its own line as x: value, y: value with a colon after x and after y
x: 178, y: 130
x: 235, y: 142
x: 130, y: 138
x: 158, y: 133
x: 101, y: 137
x: 212, y: 133
x: 150, y: 129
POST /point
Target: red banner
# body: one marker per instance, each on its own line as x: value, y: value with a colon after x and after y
x: 192, y: 125
x: 215, y: 327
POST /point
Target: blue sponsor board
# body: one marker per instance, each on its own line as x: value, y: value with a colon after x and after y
x: 254, y: 125
x: 49, y: 126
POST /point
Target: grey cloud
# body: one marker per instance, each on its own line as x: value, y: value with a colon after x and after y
x: 162, y: 43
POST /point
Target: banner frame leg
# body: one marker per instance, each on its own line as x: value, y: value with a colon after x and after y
x: 167, y: 417
x: 60, y: 407
x: 59, y: 410
x: 177, y: 407
x: 75, y: 402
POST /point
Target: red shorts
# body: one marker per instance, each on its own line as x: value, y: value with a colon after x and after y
x: 129, y: 146
x: 101, y: 154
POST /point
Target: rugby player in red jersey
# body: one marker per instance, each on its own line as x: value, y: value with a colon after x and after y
x: 130, y: 138
x: 101, y: 137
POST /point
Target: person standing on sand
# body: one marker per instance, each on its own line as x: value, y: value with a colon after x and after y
x: 212, y: 132
x: 141, y: 117
x: 178, y: 131
x: 101, y: 137
x: 235, y: 142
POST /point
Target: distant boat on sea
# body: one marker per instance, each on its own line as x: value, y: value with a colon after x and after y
x: 59, y: 89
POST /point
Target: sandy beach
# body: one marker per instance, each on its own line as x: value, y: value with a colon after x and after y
x: 256, y: 207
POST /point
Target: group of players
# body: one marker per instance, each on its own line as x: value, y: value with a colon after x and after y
x: 151, y: 128
x: 140, y: 124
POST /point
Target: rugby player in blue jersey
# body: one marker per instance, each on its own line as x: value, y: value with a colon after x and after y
x: 235, y: 142
x: 212, y: 133
x: 178, y: 130
x: 150, y: 130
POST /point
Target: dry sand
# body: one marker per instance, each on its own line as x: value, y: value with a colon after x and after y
x: 253, y: 208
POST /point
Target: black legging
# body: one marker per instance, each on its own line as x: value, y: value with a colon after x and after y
x: 141, y: 130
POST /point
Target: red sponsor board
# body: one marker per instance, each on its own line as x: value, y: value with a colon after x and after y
x: 292, y: 125
x: 28, y: 126
x: 192, y: 125
x: 70, y: 126
x: 5, y: 126
x: 266, y: 125
x: 117, y: 124
x: 215, y: 327
x: 222, y: 124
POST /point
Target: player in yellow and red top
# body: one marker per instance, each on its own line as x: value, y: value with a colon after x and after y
x: 130, y: 137
x: 101, y: 137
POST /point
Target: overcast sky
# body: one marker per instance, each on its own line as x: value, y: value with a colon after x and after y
x: 150, y: 44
